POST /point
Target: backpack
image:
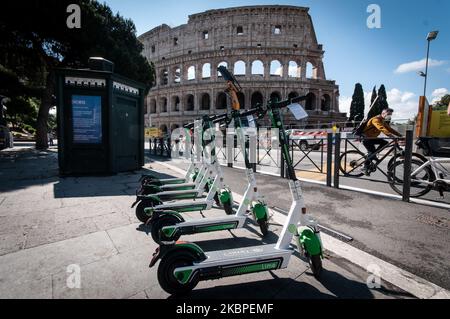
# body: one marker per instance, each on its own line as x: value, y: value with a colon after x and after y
x: 359, y: 130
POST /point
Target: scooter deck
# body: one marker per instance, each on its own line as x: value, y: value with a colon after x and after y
x: 235, y: 262
x: 231, y: 256
x: 205, y: 225
x: 189, y: 193
x: 177, y: 186
x: 170, y: 181
x: 184, y: 206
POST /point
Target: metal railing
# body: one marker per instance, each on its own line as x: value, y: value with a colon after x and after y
x: 324, y: 158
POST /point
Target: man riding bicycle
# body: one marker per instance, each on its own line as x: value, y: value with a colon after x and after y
x: 375, y: 126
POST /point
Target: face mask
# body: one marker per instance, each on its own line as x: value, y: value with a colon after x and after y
x: 388, y: 118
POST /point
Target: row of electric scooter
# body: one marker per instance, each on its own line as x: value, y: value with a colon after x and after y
x: 160, y: 203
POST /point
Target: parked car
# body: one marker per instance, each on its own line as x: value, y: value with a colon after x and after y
x: 308, y: 139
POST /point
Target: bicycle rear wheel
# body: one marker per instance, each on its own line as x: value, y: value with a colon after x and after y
x: 351, y: 163
x: 418, y: 188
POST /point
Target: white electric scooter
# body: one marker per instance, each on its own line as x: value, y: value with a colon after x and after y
x: 169, y: 226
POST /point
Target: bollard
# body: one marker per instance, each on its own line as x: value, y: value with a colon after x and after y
x: 337, y: 154
x: 329, y: 158
x: 407, y: 166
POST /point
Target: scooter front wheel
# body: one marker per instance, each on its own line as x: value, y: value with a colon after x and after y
x: 315, y: 263
x: 140, y: 213
x: 157, y: 226
x: 228, y: 207
x: 166, y: 277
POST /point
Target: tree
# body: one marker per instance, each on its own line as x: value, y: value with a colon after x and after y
x: 37, y: 35
x: 380, y: 104
x: 442, y: 104
x: 374, y: 105
x: 357, y: 106
x: 383, y: 99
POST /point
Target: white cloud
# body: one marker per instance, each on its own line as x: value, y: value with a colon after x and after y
x: 344, y: 104
x: 438, y: 94
x: 416, y: 66
x: 404, y: 103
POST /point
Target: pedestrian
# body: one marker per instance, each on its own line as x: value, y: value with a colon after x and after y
x: 50, y: 138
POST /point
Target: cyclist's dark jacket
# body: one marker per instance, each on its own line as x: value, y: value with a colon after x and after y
x: 375, y: 126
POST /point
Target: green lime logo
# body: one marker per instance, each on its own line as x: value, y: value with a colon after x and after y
x: 292, y: 229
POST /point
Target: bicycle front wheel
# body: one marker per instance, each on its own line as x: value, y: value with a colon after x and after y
x: 420, y: 182
x: 351, y: 163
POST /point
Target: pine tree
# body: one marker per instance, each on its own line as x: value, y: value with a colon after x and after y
x: 375, y: 110
x: 383, y: 99
x: 357, y: 106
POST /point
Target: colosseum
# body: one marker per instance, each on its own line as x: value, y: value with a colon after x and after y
x: 272, y: 50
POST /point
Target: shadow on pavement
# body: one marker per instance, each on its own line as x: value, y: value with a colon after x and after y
x: 23, y: 167
x: 335, y: 286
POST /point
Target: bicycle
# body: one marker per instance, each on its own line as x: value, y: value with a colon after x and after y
x: 426, y: 176
x: 352, y: 162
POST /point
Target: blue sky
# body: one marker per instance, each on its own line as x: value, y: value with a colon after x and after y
x: 354, y: 53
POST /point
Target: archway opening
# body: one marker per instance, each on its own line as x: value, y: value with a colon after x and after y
x: 294, y: 70
x: 257, y: 99
x: 223, y: 63
x: 221, y: 101
x: 276, y: 69
x: 163, y: 105
x: 206, y: 70
x: 241, y: 98
x: 175, y: 104
x: 164, y: 77
x: 257, y: 68
x: 205, y: 102
x: 190, y: 104
x: 325, y: 103
x: 275, y: 96
x: 177, y: 75
x: 292, y: 95
x: 191, y: 73
x: 153, y: 106
x: 310, y: 104
x: 239, y: 68
x: 311, y: 71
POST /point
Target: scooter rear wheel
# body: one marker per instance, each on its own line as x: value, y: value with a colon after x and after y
x: 166, y: 277
x: 315, y: 263
x: 157, y: 226
x: 264, y: 226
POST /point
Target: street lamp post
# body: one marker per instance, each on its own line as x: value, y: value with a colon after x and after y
x: 430, y: 37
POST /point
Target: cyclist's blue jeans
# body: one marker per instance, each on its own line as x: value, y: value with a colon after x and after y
x: 370, y: 144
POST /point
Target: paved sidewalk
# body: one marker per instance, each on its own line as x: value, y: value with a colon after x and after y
x: 48, y: 223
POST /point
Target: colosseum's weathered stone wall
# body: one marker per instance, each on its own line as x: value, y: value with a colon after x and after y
x: 269, y: 48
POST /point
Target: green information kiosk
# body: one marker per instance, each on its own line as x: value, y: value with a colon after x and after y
x: 100, y: 120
